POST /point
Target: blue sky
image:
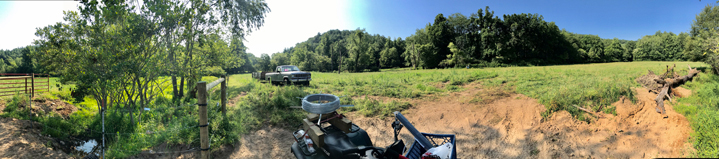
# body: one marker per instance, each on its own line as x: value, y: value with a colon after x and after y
x: 628, y: 20
x: 293, y: 21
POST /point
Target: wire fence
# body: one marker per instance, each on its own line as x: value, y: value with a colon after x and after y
x: 147, y: 132
x: 165, y: 131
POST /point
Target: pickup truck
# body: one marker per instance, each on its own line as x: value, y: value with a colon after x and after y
x: 285, y: 74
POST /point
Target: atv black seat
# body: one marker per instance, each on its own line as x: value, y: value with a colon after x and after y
x: 338, y: 144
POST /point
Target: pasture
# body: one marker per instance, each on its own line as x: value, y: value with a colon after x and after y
x: 254, y: 105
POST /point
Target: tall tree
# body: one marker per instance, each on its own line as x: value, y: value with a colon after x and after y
x: 359, y: 55
x: 614, y: 51
x: 440, y: 36
x: 628, y: 48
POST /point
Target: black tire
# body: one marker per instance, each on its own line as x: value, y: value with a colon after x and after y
x: 287, y: 82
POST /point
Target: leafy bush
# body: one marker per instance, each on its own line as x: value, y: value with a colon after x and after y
x: 213, y: 71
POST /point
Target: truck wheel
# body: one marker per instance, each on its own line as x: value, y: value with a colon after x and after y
x: 287, y: 82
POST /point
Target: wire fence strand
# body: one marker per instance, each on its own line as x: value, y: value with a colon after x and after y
x: 158, y: 109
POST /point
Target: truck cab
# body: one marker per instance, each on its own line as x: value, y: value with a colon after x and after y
x: 285, y: 74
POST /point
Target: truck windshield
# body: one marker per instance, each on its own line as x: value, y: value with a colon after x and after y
x: 290, y: 68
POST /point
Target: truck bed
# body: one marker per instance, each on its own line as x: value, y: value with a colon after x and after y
x: 260, y: 75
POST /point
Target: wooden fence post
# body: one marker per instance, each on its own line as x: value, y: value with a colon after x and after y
x: 32, y: 84
x: 202, y: 107
x: 223, y: 96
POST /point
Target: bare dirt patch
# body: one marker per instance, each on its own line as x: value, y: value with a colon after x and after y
x: 268, y: 142
x: 681, y: 92
x: 2, y: 105
x: 233, y: 102
x: 508, y: 125
x: 22, y: 139
x: 168, y: 151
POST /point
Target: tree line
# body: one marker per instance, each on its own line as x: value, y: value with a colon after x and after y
x: 17, y: 60
x: 479, y: 40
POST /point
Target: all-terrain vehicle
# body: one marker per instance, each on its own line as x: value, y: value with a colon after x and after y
x: 326, y: 134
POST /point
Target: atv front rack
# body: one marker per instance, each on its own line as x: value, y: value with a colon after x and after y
x: 415, y: 151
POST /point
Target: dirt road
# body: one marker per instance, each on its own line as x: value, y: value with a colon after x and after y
x: 507, y: 125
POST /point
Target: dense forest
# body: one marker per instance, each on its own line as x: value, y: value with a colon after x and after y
x: 480, y: 40
x: 17, y: 60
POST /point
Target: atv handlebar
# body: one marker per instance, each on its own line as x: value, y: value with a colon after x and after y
x: 417, y: 135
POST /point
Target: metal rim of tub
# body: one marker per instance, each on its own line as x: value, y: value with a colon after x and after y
x: 321, y: 108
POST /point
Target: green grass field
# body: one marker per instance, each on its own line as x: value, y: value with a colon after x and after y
x: 557, y: 87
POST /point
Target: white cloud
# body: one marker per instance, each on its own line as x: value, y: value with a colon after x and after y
x: 293, y: 21
x: 288, y: 22
x: 19, y: 22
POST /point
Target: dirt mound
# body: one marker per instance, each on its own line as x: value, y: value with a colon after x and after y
x: 637, y: 132
x: 41, y: 106
x: 22, y: 139
x: 57, y: 106
x: 511, y: 127
x: 500, y: 129
x: 494, y: 123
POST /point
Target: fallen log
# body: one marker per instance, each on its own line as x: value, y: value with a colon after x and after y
x: 667, y: 84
